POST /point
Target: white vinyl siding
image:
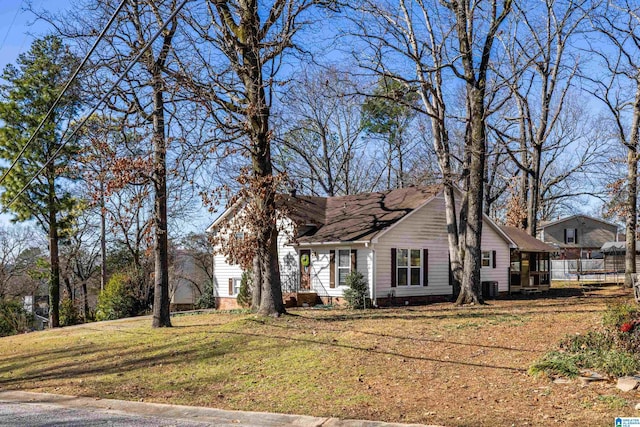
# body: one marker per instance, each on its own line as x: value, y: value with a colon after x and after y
x: 426, y: 228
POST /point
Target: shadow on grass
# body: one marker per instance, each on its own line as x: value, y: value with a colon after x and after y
x: 374, y: 351
x: 419, y: 339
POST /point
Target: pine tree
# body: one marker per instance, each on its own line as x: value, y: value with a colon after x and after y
x: 27, y: 92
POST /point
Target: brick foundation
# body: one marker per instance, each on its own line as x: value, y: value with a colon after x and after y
x: 226, y: 304
x: 299, y: 299
x: 411, y: 300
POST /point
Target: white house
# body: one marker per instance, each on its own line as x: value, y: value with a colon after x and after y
x: 397, y: 239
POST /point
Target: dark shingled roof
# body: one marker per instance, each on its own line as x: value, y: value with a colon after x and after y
x: 524, y: 241
x: 353, y: 218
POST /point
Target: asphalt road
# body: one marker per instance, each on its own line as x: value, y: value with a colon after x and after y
x: 40, y: 415
x: 26, y: 409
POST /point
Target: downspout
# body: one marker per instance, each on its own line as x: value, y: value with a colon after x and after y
x: 373, y: 277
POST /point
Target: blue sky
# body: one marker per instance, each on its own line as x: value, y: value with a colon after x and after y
x: 17, y: 31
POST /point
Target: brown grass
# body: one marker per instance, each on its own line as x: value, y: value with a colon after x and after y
x: 436, y: 364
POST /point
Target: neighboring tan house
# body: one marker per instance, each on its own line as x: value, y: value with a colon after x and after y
x: 397, y: 239
x: 578, y: 236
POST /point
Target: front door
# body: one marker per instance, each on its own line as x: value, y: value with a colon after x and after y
x: 305, y: 269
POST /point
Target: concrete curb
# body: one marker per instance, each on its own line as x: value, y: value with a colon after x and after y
x: 217, y: 417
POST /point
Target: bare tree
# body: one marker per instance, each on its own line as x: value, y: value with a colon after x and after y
x: 245, y: 43
x: 449, y: 40
x: 142, y: 98
x: 321, y: 146
x: 15, y: 243
x: 543, y: 66
x: 619, y: 91
x: 80, y: 256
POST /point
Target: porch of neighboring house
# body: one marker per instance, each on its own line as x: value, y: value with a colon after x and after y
x: 529, y: 272
x: 297, y: 290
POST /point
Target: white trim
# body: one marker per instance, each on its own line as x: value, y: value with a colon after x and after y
x: 410, y: 285
x: 337, y: 278
x: 336, y: 243
x: 482, y: 252
x: 223, y: 215
x: 373, y: 275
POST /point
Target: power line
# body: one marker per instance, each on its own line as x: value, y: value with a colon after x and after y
x: 103, y: 99
x: 13, y: 21
x: 66, y: 87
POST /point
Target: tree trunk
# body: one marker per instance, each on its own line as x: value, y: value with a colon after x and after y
x: 472, y: 262
x: 103, y: 236
x: 85, y: 301
x: 256, y: 285
x: 161, y: 315
x: 534, y: 193
x: 632, y: 195
x: 54, y: 278
x: 258, y: 113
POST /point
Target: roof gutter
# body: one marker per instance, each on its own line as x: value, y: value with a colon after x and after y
x: 335, y: 243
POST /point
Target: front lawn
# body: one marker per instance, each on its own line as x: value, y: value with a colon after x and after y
x: 435, y: 364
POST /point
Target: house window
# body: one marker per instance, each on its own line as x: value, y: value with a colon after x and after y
x: 239, y: 235
x: 344, y: 266
x: 409, y: 267
x: 236, y: 286
x: 570, y: 235
x: 486, y: 258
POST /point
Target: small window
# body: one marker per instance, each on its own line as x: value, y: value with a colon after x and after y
x: 344, y: 266
x: 409, y: 267
x: 486, y: 258
x: 571, y: 235
x: 236, y: 286
x: 239, y: 235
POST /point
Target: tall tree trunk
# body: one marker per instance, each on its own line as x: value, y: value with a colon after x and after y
x: 271, y: 303
x: 161, y: 315
x: 54, y: 277
x: 632, y: 195
x: 85, y: 301
x: 472, y: 262
x: 103, y: 236
x: 534, y: 193
x: 258, y: 112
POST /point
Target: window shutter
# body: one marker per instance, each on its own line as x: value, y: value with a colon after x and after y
x: 354, y: 260
x: 393, y: 267
x: 230, y: 286
x: 565, y: 235
x: 425, y: 267
x: 493, y: 256
x: 332, y: 269
x: 575, y: 236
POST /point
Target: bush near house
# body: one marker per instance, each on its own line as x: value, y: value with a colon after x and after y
x: 613, y: 349
x: 357, y: 289
x: 69, y: 314
x: 244, y: 293
x: 117, y: 300
x: 207, y: 299
x: 13, y: 318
